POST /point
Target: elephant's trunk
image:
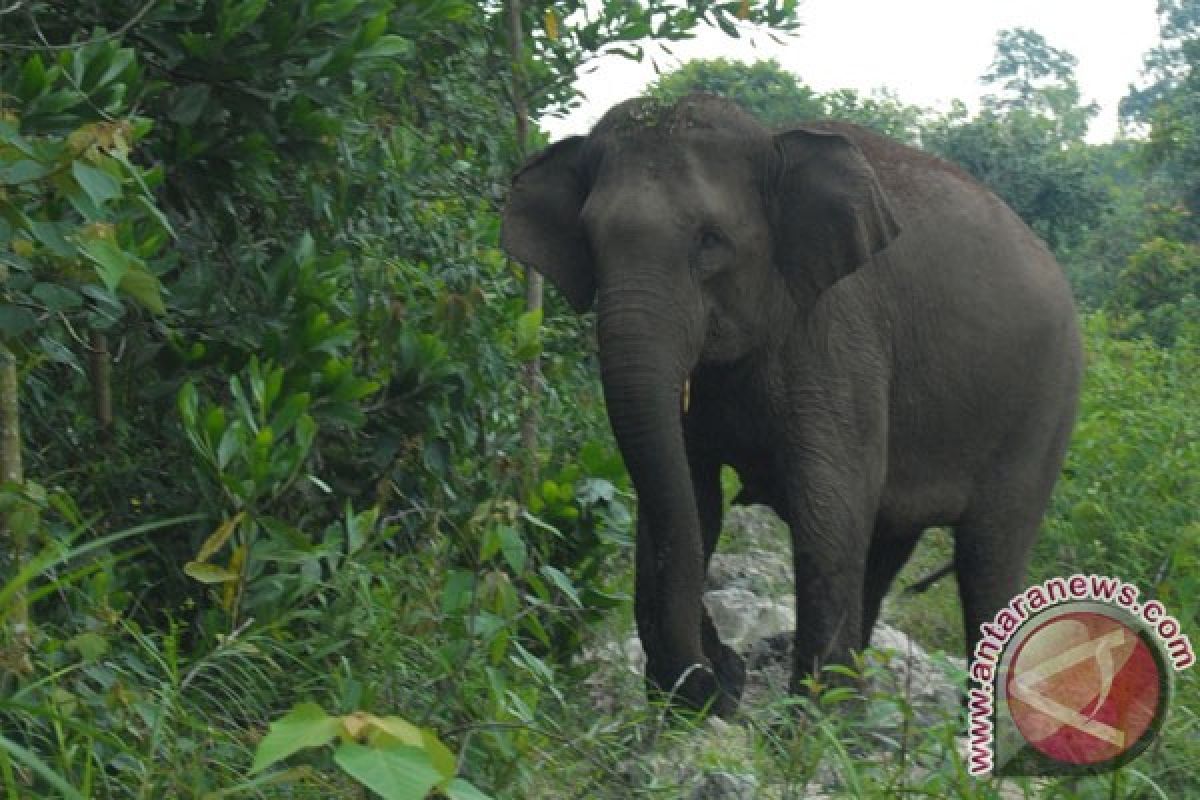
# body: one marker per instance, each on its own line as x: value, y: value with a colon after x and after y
x: 645, y: 361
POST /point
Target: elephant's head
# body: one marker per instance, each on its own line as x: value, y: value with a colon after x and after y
x: 690, y: 227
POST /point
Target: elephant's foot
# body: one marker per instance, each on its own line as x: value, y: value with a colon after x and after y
x: 730, y: 670
x: 712, y: 689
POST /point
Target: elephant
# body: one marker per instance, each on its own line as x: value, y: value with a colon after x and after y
x: 871, y: 339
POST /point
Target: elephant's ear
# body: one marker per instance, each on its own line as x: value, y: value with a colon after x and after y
x: 829, y: 213
x: 541, y: 226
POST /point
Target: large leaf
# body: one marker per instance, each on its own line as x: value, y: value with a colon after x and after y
x: 234, y: 18
x: 188, y: 103
x: 111, y: 261
x: 209, y: 573
x: 382, y: 730
x: 458, y: 789
x: 220, y: 536
x: 559, y: 579
x: 394, y: 773
x: 99, y: 185
x: 15, y: 320
x: 529, y: 340
x: 142, y: 285
x: 390, y: 46
x: 24, y: 171
x: 306, y: 725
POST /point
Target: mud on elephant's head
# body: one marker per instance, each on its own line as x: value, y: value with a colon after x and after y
x: 690, y: 221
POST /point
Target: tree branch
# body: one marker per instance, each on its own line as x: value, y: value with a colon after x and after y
x: 118, y: 33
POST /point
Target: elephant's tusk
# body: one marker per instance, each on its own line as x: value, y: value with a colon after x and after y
x: 686, y: 399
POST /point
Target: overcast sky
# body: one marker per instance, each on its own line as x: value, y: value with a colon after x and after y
x: 927, y: 51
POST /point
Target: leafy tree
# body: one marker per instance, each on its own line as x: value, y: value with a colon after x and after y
x: 1038, y: 79
x: 1169, y: 108
x: 1155, y: 289
x: 251, y: 274
x: 1168, y: 65
x: 1021, y: 156
x: 564, y: 37
x: 1027, y: 142
x: 1158, y: 291
x: 763, y: 88
x: 777, y: 97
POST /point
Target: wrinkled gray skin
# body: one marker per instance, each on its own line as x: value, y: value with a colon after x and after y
x: 874, y: 341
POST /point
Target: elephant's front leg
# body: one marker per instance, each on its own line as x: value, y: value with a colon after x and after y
x: 830, y: 517
x: 706, y: 481
x: 670, y: 616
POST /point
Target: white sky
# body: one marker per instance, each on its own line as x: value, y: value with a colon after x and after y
x: 927, y: 51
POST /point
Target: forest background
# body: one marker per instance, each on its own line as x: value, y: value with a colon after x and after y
x: 290, y: 450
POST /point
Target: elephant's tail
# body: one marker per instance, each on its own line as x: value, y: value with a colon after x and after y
x: 926, y: 583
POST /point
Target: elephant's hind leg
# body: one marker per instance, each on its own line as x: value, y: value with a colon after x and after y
x: 890, y: 549
x: 991, y: 553
x: 995, y: 536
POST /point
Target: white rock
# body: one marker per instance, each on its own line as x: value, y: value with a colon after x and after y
x: 743, y: 617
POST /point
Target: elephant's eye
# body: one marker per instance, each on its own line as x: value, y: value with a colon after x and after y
x: 710, y: 238
x: 711, y: 251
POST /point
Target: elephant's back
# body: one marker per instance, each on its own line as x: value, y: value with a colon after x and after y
x: 964, y: 261
x: 980, y: 325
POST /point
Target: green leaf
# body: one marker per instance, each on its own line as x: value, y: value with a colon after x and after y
x: 512, y: 546
x: 529, y: 339
x: 373, y: 29
x: 293, y: 407
x: 59, y: 353
x: 217, y: 539
x: 231, y: 443
x: 307, y: 725
x: 390, y: 46
x: 559, y: 579
x: 10, y: 135
x: 440, y: 756
x: 189, y: 402
x: 33, y: 78
x: 111, y: 261
x: 394, y: 773
x: 121, y: 61
x: 56, y: 102
x: 24, y: 171
x: 458, y: 789
x: 189, y: 104
x: 89, y: 644
x: 15, y: 320
x: 37, y: 766
x: 140, y: 284
x: 50, y: 235
x: 209, y: 573
x: 458, y: 591
x: 99, y: 185
x: 490, y: 544
x: 234, y: 19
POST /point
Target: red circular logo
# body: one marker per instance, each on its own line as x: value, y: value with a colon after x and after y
x: 1083, y: 688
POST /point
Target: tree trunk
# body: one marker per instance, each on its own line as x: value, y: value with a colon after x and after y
x: 100, y: 367
x: 14, y: 527
x: 531, y: 371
